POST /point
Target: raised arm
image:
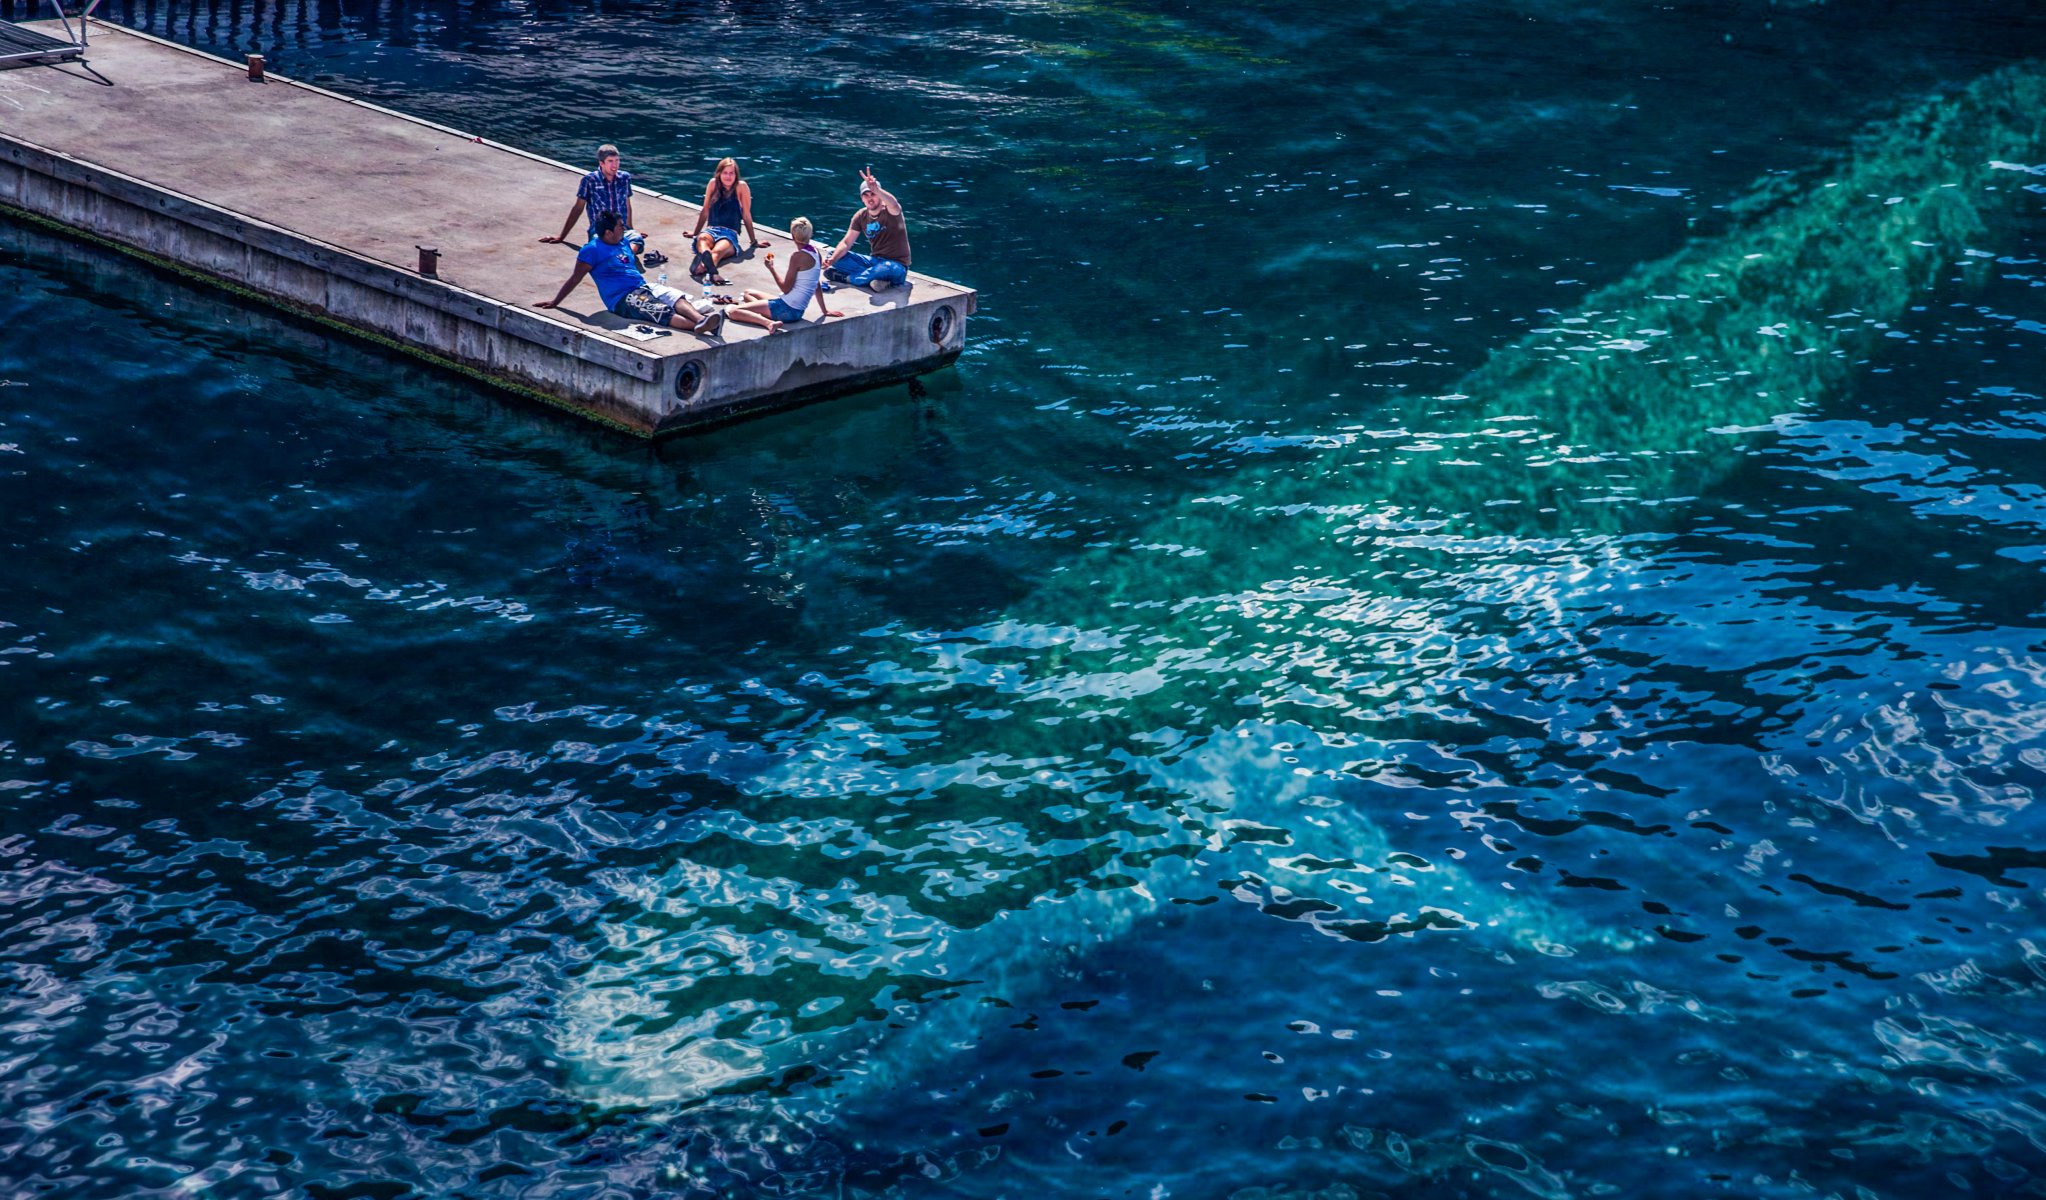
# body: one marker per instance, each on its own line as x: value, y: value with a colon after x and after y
x: 569, y: 224
x: 581, y: 269
x: 782, y: 281
x: 888, y: 200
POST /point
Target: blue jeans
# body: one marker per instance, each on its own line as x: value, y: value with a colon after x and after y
x: 782, y: 312
x: 860, y: 270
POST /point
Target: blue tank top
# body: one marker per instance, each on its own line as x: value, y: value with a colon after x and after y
x: 725, y: 213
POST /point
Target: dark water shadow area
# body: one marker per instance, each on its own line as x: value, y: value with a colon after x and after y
x: 1350, y: 687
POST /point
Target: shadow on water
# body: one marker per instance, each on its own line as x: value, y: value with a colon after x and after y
x: 1549, y: 470
x: 1537, y: 761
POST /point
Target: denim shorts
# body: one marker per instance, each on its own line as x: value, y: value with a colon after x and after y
x: 782, y: 312
x: 719, y: 233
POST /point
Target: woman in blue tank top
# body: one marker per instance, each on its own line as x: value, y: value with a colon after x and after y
x: 727, y: 204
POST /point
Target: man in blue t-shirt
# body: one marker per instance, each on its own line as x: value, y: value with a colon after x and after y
x: 606, y: 189
x: 609, y: 264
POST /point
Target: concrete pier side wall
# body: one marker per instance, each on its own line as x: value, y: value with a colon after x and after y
x: 78, y: 156
x: 329, y: 283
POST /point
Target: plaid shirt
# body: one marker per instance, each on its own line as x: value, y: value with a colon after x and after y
x: 602, y: 195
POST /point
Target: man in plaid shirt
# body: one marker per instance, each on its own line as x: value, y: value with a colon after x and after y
x: 606, y: 189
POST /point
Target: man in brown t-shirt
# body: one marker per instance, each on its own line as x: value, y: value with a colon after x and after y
x: 879, y: 219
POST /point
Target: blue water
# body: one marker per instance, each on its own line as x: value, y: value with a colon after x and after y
x: 1456, y: 631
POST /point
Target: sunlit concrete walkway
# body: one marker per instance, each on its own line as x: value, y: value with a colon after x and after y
x: 319, y: 202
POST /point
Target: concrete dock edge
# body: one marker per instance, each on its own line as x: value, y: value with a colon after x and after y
x: 684, y: 382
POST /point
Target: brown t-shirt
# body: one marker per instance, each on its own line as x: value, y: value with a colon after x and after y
x: 887, y: 236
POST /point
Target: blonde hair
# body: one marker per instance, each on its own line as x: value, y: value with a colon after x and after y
x: 801, y: 229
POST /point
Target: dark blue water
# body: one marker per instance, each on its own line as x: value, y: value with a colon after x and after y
x: 1468, y: 624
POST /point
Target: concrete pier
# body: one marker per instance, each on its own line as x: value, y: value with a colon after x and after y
x: 318, y: 203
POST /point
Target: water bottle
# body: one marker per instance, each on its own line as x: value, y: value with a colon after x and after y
x: 662, y: 279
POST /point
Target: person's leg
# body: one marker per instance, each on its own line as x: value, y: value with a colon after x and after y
x: 754, y: 294
x: 852, y: 264
x: 709, y: 255
x: 719, y: 245
x: 889, y: 273
x: 703, y: 262
x: 671, y: 307
x: 686, y: 316
x: 754, y: 313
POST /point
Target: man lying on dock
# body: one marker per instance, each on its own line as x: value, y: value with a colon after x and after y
x: 880, y: 220
x: 609, y: 263
x: 606, y: 189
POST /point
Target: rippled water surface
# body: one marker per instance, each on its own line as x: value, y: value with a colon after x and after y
x: 1470, y: 623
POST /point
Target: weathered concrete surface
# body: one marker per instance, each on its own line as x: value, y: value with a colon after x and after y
x: 318, y: 202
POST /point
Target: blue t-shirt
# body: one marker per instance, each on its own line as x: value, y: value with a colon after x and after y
x: 612, y: 269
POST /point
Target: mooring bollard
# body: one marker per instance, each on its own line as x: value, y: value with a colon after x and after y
x: 429, y: 260
x: 255, y: 68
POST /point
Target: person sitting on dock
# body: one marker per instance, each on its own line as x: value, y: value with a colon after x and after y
x: 880, y: 220
x: 604, y: 190
x: 608, y: 262
x: 798, y: 287
x: 727, y: 204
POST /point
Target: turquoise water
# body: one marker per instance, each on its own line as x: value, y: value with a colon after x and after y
x: 1468, y: 624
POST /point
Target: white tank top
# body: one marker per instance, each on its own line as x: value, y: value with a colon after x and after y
x: 804, y: 288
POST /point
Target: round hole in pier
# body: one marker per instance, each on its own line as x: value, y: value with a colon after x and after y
x: 941, y: 324
x: 689, y: 379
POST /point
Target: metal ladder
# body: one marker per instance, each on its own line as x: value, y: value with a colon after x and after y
x: 21, y: 47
